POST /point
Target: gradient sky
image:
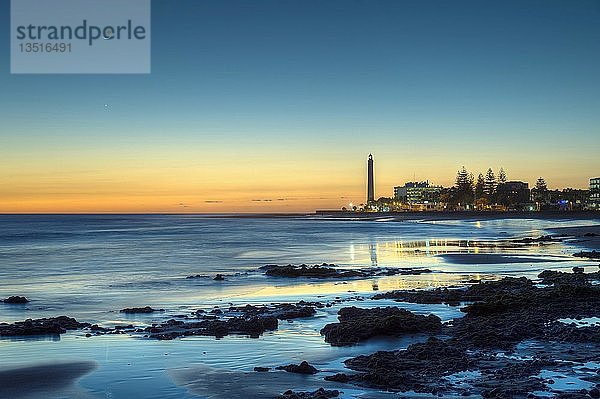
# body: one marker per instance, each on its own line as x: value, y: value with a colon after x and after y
x: 273, y: 106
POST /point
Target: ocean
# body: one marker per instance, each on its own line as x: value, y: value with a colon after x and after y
x: 91, y: 266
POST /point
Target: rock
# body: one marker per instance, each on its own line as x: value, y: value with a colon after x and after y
x: 453, y: 296
x: 508, y: 317
x: 302, y: 368
x: 339, y: 377
x: 420, y: 367
x: 316, y: 271
x: 251, y: 326
x: 358, y: 324
x: 261, y: 369
x: 197, y: 276
x: 145, y: 309
x: 588, y: 254
x: 53, y: 325
x: 16, y: 300
x: 439, y: 295
x: 219, y: 277
x: 578, y: 277
x: 329, y: 271
x: 283, y: 311
x: 320, y: 393
x: 540, y: 239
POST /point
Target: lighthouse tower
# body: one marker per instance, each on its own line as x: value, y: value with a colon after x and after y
x: 370, y: 182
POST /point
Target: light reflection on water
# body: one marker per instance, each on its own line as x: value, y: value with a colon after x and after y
x: 89, y: 267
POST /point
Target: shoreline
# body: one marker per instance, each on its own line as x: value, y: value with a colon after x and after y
x: 460, y: 215
x: 346, y: 215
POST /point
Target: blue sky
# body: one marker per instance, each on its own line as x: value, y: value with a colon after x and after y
x: 427, y: 86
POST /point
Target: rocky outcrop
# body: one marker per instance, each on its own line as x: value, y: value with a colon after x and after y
x: 16, y: 300
x: 145, y: 309
x: 250, y: 326
x: 419, y: 368
x: 454, y: 296
x: 320, y: 393
x: 53, y: 325
x: 302, y: 368
x: 332, y: 272
x: 588, y: 254
x: 282, y: 311
x: 357, y: 324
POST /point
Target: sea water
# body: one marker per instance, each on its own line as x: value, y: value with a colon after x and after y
x: 91, y: 266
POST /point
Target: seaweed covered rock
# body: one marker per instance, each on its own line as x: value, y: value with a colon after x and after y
x: 420, y: 367
x: 282, y: 311
x: 145, y: 309
x: 331, y: 271
x: 508, y: 317
x: 320, y: 393
x: 16, y: 300
x: 251, y: 326
x: 357, y: 324
x: 52, y: 325
x: 316, y: 271
x: 302, y: 368
x: 453, y: 296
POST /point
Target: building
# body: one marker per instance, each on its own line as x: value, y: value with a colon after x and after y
x: 415, y: 193
x: 514, y: 194
x: 594, y: 193
x: 370, y: 181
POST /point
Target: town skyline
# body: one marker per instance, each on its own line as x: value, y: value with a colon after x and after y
x: 384, y: 186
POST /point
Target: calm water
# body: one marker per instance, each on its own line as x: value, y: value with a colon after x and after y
x: 89, y: 267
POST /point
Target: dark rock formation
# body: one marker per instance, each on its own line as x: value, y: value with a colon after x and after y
x: 197, y: 276
x: 282, y: 311
x: 302, y: 368
x: 251, y: 326
x: 316, y: 271
x: 330, y: 271
x: 540, y: 239
x: 508, y: 317
x: 16, y: 300
x: 419, y: 368
x: 145, y: 309
x: 219, y: 277
x: 588, y: 254
x: 53, y: 325
x: 454, y: 296
x: 503, y: 313
x: 320, y: 393
x: 578, y: 277
x: 451, y: 297
x: 261, y: 369
x: 358, y: 324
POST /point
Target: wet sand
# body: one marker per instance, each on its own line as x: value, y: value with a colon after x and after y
x: 582, y: 236
x: 44, y: 380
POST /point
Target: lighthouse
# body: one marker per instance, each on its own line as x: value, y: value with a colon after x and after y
x: 370, y: 182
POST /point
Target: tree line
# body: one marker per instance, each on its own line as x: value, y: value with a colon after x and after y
x: 481, y: 191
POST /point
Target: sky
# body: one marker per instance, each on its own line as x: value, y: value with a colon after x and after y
x: 274, y: 106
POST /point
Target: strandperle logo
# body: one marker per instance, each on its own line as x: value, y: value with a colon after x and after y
x: 80, y: 36
x: 85, y: 31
